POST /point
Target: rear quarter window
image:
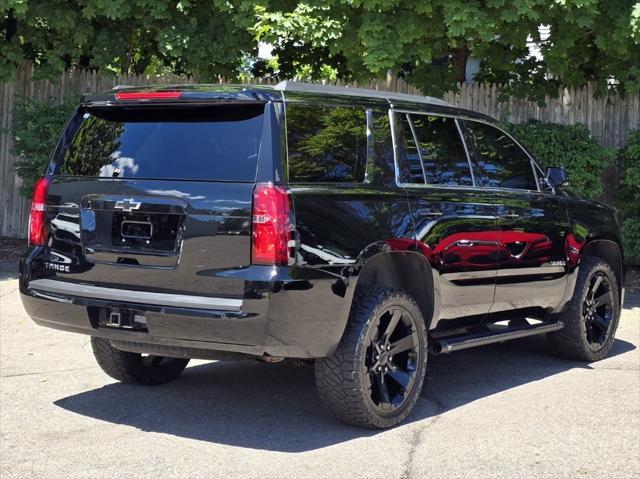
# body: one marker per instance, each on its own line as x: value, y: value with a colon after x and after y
x: 326, y: 144
x: 203, y: 143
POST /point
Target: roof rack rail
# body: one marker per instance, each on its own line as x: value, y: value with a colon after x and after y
x: 292, y: 86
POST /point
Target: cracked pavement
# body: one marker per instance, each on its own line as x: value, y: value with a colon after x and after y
x: 507, y: 410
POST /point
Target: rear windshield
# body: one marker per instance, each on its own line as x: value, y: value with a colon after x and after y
x: 199, y: 143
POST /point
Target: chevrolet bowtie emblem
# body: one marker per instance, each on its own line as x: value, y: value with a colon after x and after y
x: 128, y: 205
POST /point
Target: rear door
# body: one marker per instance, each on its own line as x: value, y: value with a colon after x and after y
x: 455, y: 223
x: 533, y: 225
x: 155, y: 199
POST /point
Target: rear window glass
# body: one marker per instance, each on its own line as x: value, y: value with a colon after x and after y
x: 205, y: 143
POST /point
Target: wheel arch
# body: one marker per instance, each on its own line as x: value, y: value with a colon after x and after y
x: 609, y: 251
x: 406, y: 270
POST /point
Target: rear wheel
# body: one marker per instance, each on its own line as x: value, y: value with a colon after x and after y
x: 374, y: 377
x: 136, y: 368
x: 591, y: 317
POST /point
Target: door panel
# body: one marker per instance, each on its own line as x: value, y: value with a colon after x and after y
x: 457, y: 232
x: 532, y: 224
x: 532, y: 265
x: 455, y: 223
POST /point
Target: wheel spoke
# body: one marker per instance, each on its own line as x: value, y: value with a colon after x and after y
x: 603, y: 299
x: 399, y: 376
x: 374, y: 367
x: 596, y: 285
x: 384, y: 392
x: 393, y: 322
x: 601, y: 322
x: 404, y: 344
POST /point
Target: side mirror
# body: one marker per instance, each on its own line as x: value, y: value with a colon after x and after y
x: 557, y: 176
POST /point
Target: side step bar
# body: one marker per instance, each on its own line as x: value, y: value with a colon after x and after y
x: 448, y: 345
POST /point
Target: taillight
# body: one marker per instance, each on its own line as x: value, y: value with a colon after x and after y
x: 148, y: 95
x: 271, y: 225
x: 37, y: 226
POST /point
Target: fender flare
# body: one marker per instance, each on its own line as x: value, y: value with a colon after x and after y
x: 406, y: 270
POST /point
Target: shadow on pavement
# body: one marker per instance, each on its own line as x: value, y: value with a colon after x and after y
x: 275, y: 407
x: 8, y: 270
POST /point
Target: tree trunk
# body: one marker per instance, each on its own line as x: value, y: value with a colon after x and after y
x: 10, y: 26
x: 459, y: 61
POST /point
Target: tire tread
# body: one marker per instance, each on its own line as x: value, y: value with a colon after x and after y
x: 336, y: 376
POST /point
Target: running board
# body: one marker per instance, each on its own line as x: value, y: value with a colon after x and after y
x: 448, y: 345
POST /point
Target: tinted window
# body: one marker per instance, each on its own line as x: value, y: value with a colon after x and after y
x: 410, y: 166
x: 382, y: 169
x: 326, y: 144
x: 500, y: 162
x: 218, y: 143
x: 439, y: 146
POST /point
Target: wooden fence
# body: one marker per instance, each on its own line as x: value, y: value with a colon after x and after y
x: 609, y: 118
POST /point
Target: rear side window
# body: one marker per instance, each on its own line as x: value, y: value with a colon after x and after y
x: 326, y: 144
x: 208, y: 143
x: 500, y: 162
x: 433, y: 151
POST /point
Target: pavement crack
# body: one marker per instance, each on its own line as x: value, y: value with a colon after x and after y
x: 416, y: 436
x: 37, y: 373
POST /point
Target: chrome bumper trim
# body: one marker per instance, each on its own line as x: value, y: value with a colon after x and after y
x: 130, y: 296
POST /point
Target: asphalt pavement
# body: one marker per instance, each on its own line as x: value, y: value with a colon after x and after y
x: 508, y: 410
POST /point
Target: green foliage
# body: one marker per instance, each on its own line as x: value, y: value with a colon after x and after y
x: 631, y: 237
x: 429, y: 42
x: 426, y: 42
x: 570, y: 146
x: 95, y: 143
x: 322, y: 142
x: 201, y: 37
x: 630, y: 163
x: 628, y: 200
x: 36, y: 128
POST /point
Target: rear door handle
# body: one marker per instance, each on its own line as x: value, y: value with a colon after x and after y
x: 428, y: 212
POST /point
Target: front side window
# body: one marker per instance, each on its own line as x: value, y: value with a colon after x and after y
x: 433, y: 151
x: 500, y: 162
x: 326, y: 144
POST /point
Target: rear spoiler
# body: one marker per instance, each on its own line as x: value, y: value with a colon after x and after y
x: 180, y: 94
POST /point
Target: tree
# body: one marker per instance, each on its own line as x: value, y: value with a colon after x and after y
x: 202, y: 37
x: 429, y: 42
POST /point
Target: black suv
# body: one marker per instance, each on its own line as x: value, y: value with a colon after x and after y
x: 359, y: 230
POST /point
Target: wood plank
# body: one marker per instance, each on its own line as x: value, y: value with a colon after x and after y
x: 609, y: 119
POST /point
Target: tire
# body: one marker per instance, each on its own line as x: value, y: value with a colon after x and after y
x: 589, y: 329
x: 353, y: 382
x: 134, y: 368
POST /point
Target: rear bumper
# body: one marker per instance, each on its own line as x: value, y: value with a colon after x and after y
x: 285, y: 311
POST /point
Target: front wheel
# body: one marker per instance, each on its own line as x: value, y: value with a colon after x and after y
x: 374, y: 377
x: 136, y: 368
x: 591, y: 317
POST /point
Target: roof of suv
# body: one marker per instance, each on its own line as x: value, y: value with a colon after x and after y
x: 205, y: 93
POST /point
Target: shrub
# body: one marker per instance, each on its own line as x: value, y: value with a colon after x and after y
x: 630, y: 231
x: 628, y: 201
x: 570, y: 146
x: 35, y: 129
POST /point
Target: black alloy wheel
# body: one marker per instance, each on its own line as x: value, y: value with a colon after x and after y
x: 597, y: 310
x: 592, y: 316
x: 374, y: 377
x: 392, y: 359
